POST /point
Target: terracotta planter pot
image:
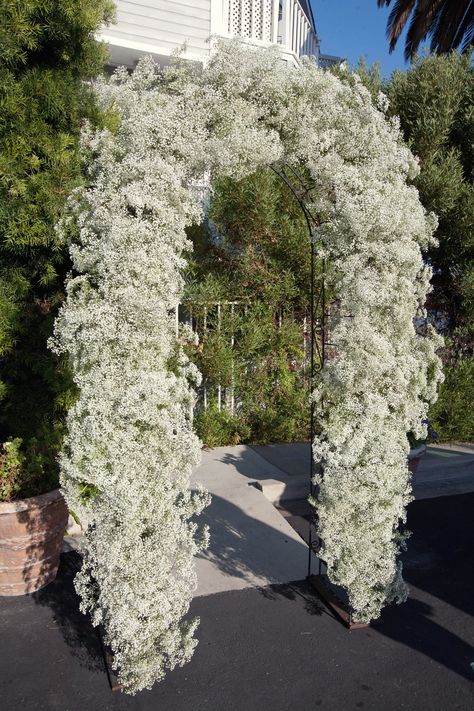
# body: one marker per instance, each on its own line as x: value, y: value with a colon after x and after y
x: 31, y: 536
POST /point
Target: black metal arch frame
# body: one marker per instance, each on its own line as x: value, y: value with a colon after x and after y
x: 303, y: 188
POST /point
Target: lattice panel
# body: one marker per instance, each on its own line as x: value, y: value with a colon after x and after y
x: 251, y: 19
x: 235, y: 17
x: 267, y: 20
x: 246, y: 29
x: 257, y: 19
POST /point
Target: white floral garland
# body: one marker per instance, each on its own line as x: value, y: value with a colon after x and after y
x: 130, y: 435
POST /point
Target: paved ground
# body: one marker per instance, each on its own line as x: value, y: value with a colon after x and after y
x: 251, y: 543
x: 443, y: 470
x: 266, y: 642
x: 275, y: 648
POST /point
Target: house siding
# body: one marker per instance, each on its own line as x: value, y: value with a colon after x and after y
x: 164, y: 24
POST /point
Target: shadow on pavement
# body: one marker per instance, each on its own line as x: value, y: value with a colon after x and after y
x: 245, y: 547
x: 63, y: 602
x: 439, y: 567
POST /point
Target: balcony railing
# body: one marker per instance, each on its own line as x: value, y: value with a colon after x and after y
x: 295, y: 31
x: 266, y: 22
x: 159, y: 27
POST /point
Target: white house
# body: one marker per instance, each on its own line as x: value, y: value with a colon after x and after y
x: 159, y: 27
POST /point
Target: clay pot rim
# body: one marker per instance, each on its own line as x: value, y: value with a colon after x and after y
x: 32, y: 502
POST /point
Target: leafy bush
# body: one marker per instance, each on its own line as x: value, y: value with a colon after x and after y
x: 217, y: 428
x: 47, y: 51
x: 254, y: 252
x: 11, y: 469
x: 27, y: 470
x: 434, y: 101
x: 452, y: 416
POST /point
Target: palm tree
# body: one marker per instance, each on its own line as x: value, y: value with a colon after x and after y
x: 449, y: 23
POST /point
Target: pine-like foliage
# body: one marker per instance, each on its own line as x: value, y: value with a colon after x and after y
x: 259, y: 257
x: 435, y: 103
x: 47, y: 52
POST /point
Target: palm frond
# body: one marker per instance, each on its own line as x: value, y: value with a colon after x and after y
x: 424, y: 17
x: 449, y: 24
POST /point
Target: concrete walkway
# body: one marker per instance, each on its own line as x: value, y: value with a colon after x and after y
x: 259, y: 513
x: 445, y: 470
x: 252, y: 545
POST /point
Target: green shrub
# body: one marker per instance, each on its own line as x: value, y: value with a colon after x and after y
x: 452, y: 416
x: 261, y: 262
x: 218, y: 428
x: 28, y: 470
x: 11, y: 469
x: 434, y: 100
x: 47, y: 54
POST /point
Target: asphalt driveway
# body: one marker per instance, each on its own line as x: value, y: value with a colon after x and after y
x: 272, y: 648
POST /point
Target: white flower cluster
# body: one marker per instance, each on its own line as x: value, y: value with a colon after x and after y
x: 380, y: 375
x: 130, y: 446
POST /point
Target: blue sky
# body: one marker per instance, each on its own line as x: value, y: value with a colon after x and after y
x: 351, y: 28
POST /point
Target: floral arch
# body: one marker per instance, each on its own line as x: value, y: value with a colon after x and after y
x: 130, y: 446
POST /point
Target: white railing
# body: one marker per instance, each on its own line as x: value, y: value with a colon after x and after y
x: 295, y: 31
x: 204, y: 318
x: 159, y: 27
x: 282, y: 22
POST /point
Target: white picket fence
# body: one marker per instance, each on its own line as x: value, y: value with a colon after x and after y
x: 226, y: 396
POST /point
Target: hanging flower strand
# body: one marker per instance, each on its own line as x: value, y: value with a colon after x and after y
x: 130, y: 440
